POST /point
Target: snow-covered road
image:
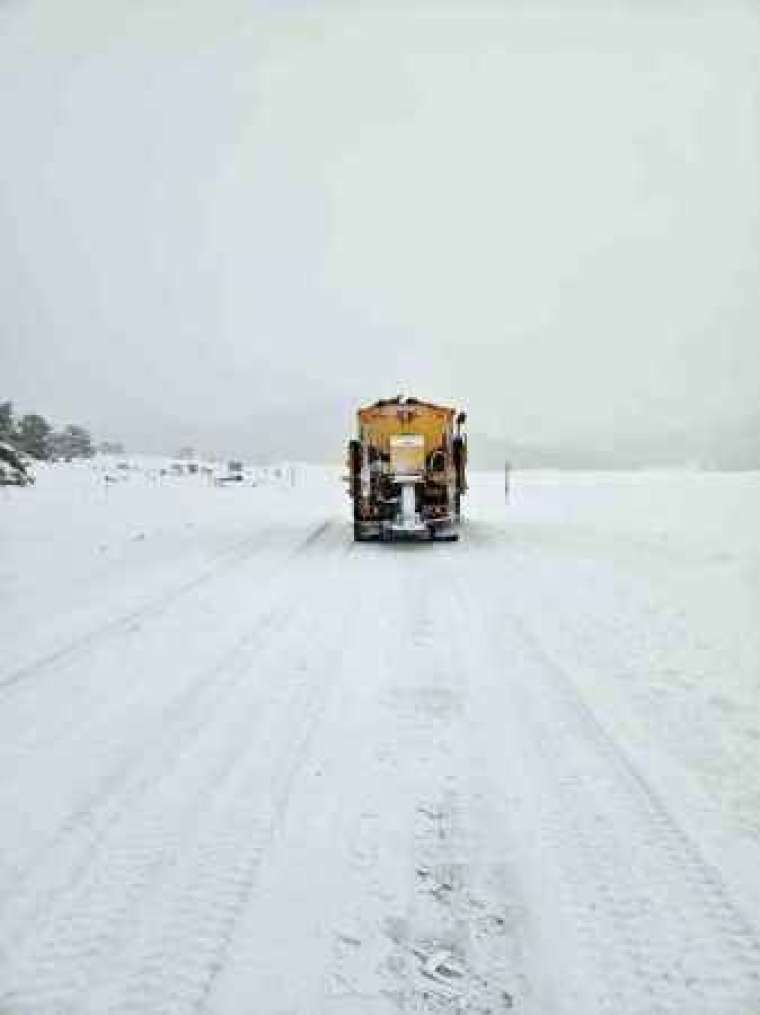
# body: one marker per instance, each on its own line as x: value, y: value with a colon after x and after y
x: 247, y: 766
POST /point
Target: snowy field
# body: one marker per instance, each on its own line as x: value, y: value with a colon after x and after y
x: 248, y: 767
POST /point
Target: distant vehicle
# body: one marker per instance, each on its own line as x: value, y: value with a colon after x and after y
x: 406, y: 470
x: 234, y: 474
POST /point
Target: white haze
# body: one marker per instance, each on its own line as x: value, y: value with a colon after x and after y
x: 224, y: 219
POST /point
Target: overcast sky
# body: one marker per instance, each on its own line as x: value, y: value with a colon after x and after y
x: 546, y: 213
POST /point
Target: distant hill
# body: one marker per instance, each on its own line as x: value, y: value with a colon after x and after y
x: 730, y: 446
x: 319, y: 434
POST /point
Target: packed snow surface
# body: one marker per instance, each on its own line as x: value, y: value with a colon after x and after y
x: 248, y: 767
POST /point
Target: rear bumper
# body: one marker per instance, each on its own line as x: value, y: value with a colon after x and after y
x: 431, y: 528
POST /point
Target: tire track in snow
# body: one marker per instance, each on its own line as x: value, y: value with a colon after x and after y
x: 194, y: 933
x: 459, y: 947
x: 111, y: 709
x: 653, y: 924
x: 447, y: 943
x: 147, y: 832
x: 59, y: 865
x: 170, y: 735
x: 153, y: 608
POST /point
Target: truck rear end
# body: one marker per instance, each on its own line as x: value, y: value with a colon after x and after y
x: 406, y: 470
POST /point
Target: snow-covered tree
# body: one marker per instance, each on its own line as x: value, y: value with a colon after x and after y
x: 32, y: 435
x: 71, y: 442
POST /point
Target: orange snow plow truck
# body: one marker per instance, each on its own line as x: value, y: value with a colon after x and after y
x: 406, y: 470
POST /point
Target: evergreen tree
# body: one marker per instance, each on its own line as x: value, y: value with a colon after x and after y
x: 80, y: 440
x: 32, y: 435
x: 72, y: 442
x: 6, y: 421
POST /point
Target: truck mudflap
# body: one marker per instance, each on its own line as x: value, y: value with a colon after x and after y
x: 365, y: 531
x: 444, y: 534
